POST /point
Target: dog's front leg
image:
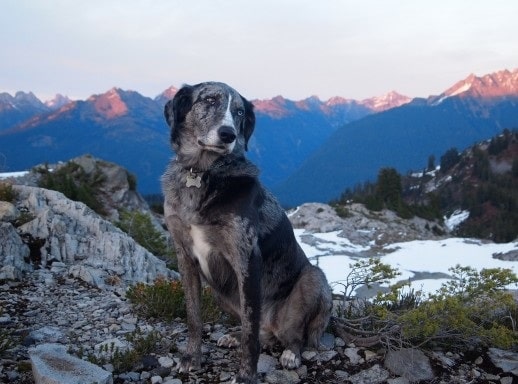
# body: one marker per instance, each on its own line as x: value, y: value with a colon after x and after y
x: 249, y: 278
x: 191, y: 360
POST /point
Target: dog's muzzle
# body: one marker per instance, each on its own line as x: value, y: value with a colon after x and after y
x: 227, y: 134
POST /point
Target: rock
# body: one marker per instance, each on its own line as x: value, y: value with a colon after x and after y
x: 309, y: 355
x: 51, y: 364
x: 266, y: 363
x: 326, y: 355
x: 398, y: 380
x: 48, y: 335
x: 410, y: 363
x: 360, y: 227
x: 116, y: 187
x: 315, y: 217
x: 14, y: 254
x: 327, y: 341
x: 166, y: 362
x: 8, y: 211
x: 282, y: 377
x: 373, y: 375
x: 91, y: 247
x: 352, y: 354
x: 507, y: 361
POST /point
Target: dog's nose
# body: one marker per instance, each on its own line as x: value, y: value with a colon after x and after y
x: 227, y: 134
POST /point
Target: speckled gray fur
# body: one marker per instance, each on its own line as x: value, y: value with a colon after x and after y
x: 232, y: 233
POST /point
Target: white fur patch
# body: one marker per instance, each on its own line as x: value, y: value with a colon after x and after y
x: 228, y: 119
x: 289, y: 359
x: 200, y: 249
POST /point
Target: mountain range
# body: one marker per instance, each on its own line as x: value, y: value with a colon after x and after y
x: 307, y: 150
x: 404, y: 137
x: 128, y: 128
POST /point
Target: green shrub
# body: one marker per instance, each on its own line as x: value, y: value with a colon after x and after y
x: 139, y: 226
x: 473, y: 308
x: 72, y: 180
x: 7, y: 192
x: 166, y: 300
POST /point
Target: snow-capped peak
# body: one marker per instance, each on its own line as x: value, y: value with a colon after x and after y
x: 502, y: 83
x: 387, y: 101
x: 57, y: 102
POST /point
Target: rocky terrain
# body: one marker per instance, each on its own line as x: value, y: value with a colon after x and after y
x: 64, y: 272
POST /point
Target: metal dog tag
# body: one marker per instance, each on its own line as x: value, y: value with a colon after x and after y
x: 193, y: 180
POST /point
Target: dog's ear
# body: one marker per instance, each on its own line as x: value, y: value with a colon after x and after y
x: 248, y: 121
x: 176, y: 109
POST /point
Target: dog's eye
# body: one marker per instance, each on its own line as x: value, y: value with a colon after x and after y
x: 240, y: 112
x: 210, y: 100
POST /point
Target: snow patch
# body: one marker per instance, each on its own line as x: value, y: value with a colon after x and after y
x: 456, y: 218
x: 7, y: 175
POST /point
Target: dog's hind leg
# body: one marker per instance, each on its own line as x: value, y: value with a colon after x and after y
x: 304, y: 316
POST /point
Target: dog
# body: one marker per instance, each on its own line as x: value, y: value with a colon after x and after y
x: 230, y: 232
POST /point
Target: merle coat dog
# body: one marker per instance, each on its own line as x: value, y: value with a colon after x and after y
x: 229, y: 231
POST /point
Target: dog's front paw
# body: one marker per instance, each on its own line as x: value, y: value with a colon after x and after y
x: 189, y: 363
x: 228, y: 341
x: 289, y: 359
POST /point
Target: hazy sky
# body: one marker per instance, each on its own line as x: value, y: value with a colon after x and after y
x: 298, y: 48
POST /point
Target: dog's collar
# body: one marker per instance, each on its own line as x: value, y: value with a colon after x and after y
x: 193, y: 178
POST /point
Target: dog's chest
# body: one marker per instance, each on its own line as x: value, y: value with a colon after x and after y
x: 200, y: 248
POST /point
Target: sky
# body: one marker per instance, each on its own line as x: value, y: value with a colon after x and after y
x: 295, y: 48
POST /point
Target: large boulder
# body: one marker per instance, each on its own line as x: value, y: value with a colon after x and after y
x: 89, y: 246
x: 51, y: 364
x: 117, y: 188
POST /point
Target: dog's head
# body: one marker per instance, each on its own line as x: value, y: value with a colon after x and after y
x: 209, y: 120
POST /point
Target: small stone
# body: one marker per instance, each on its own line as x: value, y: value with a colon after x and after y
x: 266, y: 363
x: 339, y: 342
x: 302, y: 371
x: 309, y: 355
x: 479, y: 360
x: 282, y: 377
x: 170, y: 380
x: 369, y: 355
x: 327, y: 341
x: 165, y: 361
x: 352, y: 354
x: 506, y: 380
x: 156, y: 380
x: 326, y: 355
x: 341, y: 375
x: 224, y: 376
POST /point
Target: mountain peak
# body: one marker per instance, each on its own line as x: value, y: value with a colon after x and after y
x: 109, y: 104
x: 386, y: 101
x: 497, y: 84
x: 275, y: 107
x: 57, y: 102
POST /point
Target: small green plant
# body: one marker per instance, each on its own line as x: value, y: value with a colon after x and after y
x: 140, y: 344
x: 72, y: 180
x: 166, y: 300
x: 139, y: 226
x: 7, y: 193
x: 341, y: 210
